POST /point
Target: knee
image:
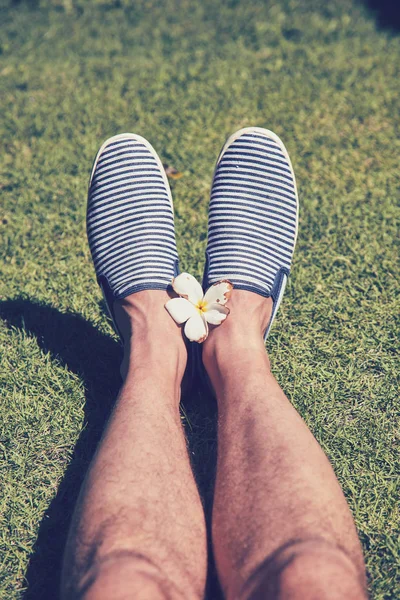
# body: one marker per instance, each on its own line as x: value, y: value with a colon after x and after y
x: 304, y: 570
x: 124, y: 576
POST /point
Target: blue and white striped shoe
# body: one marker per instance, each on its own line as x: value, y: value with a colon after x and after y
x: 130, y: 220
x: 253, y: 216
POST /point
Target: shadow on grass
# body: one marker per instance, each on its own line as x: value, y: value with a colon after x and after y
x: 95, y: 357
x: 386, y: 13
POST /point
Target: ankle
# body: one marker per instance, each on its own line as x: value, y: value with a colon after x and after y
x: 231, y: 368
x: 239, y: 340
x: 235, y: 347
x: 152, y: 340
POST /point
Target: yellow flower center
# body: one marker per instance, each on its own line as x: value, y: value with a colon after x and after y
x: 201, y: 306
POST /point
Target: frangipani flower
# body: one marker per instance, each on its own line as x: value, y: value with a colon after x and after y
x: 196, y: 308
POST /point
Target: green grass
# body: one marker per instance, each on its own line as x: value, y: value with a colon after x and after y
x: 185, y: 74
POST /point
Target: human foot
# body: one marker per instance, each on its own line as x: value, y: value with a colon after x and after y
x: 130, y: 221
x: 241, y: 338
x: 252, y: 217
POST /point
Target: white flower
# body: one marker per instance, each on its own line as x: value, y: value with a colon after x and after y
x: 196, y: 308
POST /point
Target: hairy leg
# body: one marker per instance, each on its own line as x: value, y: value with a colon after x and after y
x: 281, y: 525
x: 138, y: 529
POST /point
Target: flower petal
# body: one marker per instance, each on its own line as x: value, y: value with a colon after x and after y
x: 180, y: 309
x: 196, y: 329
x: 216, y: 313
x: 188, y: 287
x: 219, y: 292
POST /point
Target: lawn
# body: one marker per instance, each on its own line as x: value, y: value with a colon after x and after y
x: 185, y: 74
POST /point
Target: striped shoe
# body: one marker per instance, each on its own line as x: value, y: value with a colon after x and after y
x: 130, y: 221
x: 253, y: 216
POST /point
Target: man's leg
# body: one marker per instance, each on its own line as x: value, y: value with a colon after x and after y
x: 281, y: 525
x: 138, y: 531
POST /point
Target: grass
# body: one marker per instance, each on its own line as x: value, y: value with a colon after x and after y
x: 185, y: 74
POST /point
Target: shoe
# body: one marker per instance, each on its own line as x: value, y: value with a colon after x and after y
x: 130, y: 220
x: 253, y: 216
